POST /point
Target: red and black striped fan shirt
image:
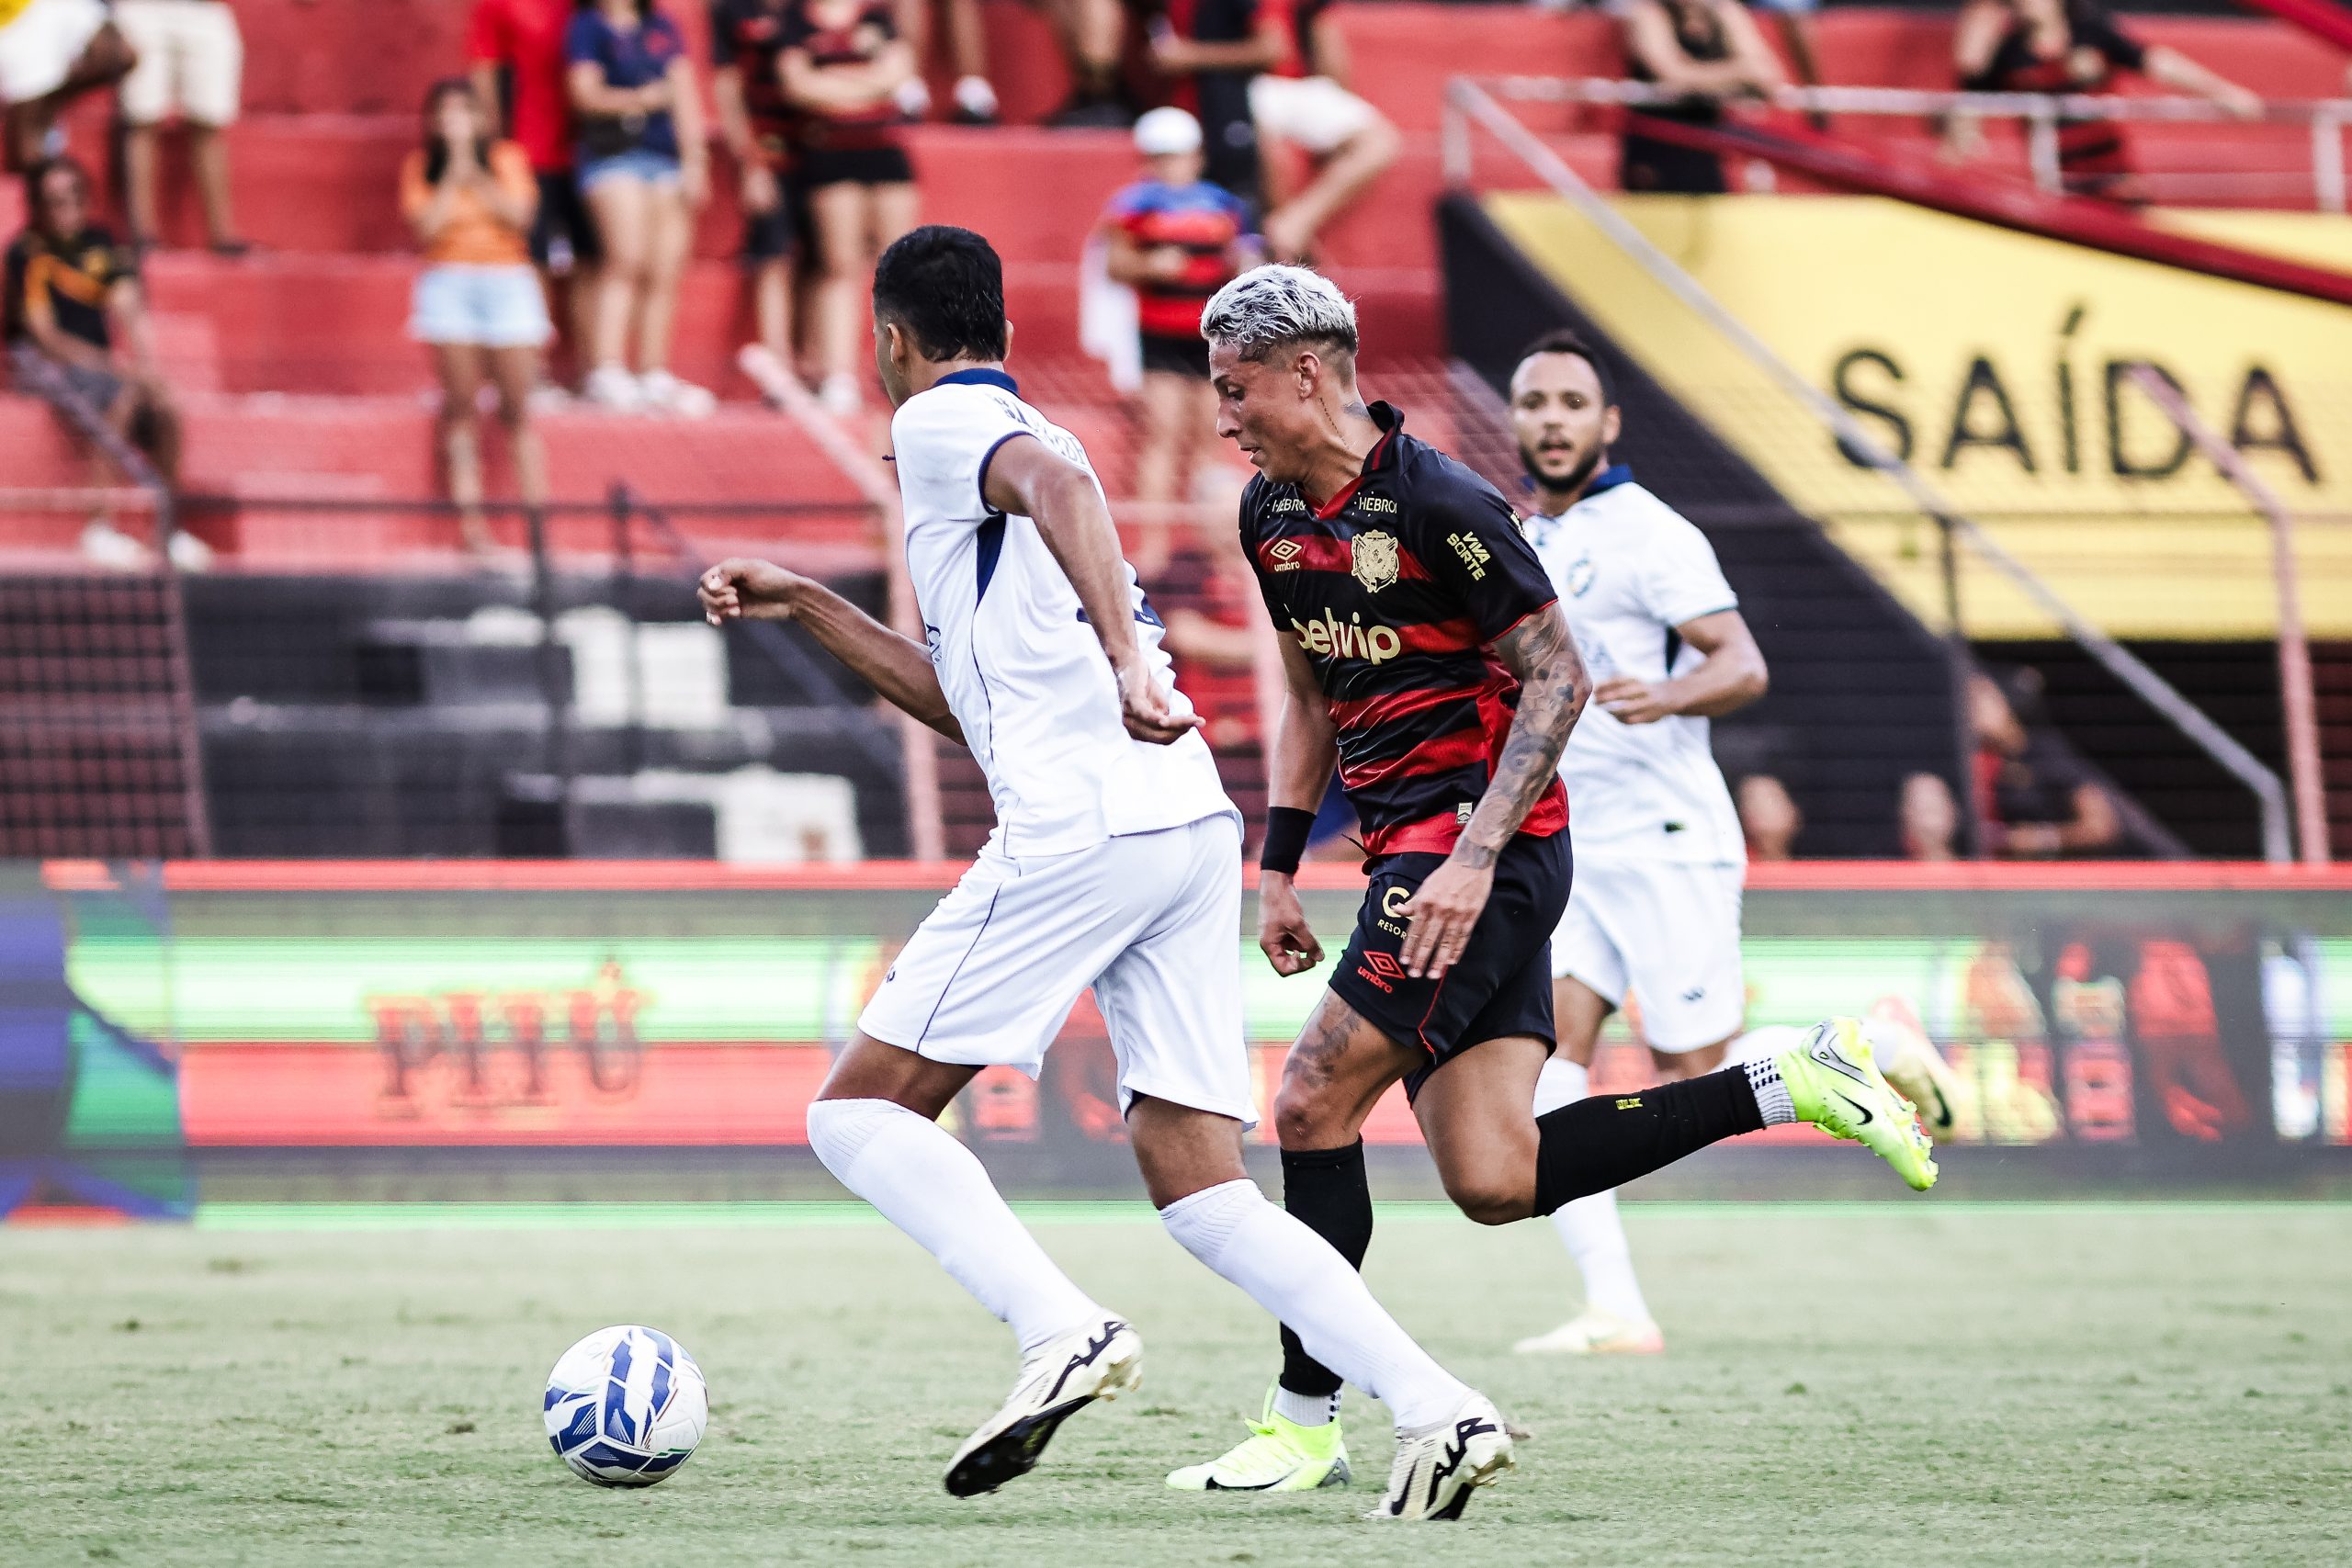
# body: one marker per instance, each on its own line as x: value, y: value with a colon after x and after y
x: 1395, y: 589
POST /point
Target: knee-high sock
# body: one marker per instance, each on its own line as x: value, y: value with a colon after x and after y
x: 1304, y: 1281
x: 1588, y: 1226
x: 1595, y: 1145
x: 1324, y: 1190
x: 932, y: 1187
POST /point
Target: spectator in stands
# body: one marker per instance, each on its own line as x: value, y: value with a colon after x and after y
x: 1709, y: 52
x: 1175, y: 239
x: 2072, y: 46
x: 1769, y: 817
x: 192, y: 60
x: 973, y: 97
x: 2032, y: 800
x: 79, y: 335
x: 53, y: 51
x: 1929, y: 818
x: 843, y: 63
x: 1213, y: 49
x: 523, y: 40
x: 644, y: 167
x: 477, y: 305
x: 1092, y: 35
x: 755, y: 122
x: 1304, y: 103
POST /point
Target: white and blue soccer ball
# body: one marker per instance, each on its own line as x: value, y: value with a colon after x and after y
x: 626, y: 1406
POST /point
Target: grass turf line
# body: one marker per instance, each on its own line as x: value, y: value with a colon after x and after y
x: 1929, y: 1385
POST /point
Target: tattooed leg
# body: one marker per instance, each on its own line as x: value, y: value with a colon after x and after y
x: 1335, y: 1074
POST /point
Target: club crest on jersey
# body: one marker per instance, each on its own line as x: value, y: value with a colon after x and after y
x: 1373, y: 558
x: 1580, y: 577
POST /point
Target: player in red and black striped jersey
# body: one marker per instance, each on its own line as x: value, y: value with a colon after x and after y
x: 1428, y: 660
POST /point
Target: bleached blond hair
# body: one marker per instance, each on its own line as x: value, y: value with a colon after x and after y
x: 1272, y: 306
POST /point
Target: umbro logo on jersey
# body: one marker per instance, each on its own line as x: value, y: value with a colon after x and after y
x: 1284, y: 555
x: 1350, y: 638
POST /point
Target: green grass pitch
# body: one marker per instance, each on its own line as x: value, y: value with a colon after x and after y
x: 1931, y: 1383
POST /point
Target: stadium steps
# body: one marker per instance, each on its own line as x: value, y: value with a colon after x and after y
x: 380, y: 717
x: 254, y: 459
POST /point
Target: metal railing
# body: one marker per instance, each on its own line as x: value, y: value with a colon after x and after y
x: 36, y: 376
x: 1468, y: 104
x: 2322, y: 119
x: 2299, y: 707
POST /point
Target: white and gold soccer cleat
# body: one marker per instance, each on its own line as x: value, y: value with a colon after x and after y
x: 1438, y: 1467
x: 1101, y: 1360
x: 1596, y: 1333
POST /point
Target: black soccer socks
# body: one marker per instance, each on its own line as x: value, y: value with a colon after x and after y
x: 1606, y: 1139
x: 1326, y: 1191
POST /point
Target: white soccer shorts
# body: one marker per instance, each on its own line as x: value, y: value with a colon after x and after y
x: 1666, y: 932
x: 1312, y: 112
x: 1152, y: 921
x: 191, y: 58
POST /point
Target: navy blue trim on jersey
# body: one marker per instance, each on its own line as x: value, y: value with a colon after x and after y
x: 1145, y: 615
x: 1610, y: 478
x: 979, y: 377
x: 992, y: 545
x: 980, y: 480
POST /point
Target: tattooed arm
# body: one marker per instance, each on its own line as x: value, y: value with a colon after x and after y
x: 1553, y: 687
x: 1552, y: 692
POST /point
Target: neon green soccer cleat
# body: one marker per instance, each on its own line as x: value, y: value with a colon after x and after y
x: 1834, y: 1083
x: 1277, y: 1456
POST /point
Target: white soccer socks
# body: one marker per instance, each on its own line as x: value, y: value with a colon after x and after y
x: 1588, y: 1226
x: 932, y: 1187
x: 1296, y: 1275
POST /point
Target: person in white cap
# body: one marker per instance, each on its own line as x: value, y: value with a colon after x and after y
x: 1174, y: 239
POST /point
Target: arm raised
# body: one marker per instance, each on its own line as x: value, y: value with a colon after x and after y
x: 898, y: 667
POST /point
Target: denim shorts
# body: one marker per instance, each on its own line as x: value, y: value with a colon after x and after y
x: 637, y: 164
x: 497, y: 307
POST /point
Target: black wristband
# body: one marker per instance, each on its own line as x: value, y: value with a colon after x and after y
x: 1286, y: 831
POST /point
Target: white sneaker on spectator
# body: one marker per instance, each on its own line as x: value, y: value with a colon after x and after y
x: 546, y: 396
x: 104, y: 545
x: 612, y: 386
x: 768, y: 373
x: 664, y: 394
x: 189, y: 553
x: 976, y: 101
x: 841, y: 395
x: 913, y: 98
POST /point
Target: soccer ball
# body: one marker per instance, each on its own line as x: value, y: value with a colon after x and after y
x: 626, y: 1406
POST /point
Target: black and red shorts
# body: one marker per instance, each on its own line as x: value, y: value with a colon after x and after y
x: 1502, y: 984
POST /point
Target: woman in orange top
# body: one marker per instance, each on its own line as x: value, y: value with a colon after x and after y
x: 478, y: 302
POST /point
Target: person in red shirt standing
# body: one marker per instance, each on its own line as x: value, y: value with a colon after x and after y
x: 843, y: 63
x: 522, y: 43
x: 1175, y: 239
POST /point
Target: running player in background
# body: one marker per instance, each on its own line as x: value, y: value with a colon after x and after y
x: 1655, y: 912
x: 1429, y: 661
x: 1116, y: 864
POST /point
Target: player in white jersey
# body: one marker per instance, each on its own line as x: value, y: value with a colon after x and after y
x: 1115, y: 865
x: 1655, y: 912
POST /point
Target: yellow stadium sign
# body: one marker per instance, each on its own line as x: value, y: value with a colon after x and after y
x: 1998, y: 365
